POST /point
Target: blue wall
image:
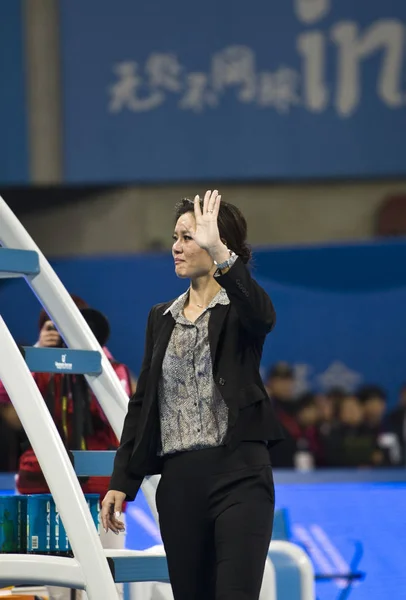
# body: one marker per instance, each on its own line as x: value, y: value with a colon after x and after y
x: 341, y: 316
x: 13, y: 119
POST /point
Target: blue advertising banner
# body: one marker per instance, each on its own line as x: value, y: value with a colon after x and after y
x: 158, y: 91
x: 14, y: 167
x: 335, y: 523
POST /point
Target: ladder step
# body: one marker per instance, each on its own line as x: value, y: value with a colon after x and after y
x: 62, y: 360
x: 31, y: 569
x: 96, y: 463
x: 17, y: 263
x: 127, y: 566
x: 17, y: 569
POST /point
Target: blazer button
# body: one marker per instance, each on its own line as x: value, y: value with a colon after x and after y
x: 222, y: 381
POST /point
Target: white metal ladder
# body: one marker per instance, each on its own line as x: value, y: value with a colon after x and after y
x: 20, y: 257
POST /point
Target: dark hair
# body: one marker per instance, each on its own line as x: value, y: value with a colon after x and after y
x: 282, y: 370
x: 305, y: 400
x: 368, y: 392
x: 44, y: 317
x: 336, y: 393
x: 231, y: 223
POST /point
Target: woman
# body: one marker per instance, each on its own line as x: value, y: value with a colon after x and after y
x: 201, y: 415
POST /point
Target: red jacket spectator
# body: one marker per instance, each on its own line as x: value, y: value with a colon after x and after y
x: 60, y: 394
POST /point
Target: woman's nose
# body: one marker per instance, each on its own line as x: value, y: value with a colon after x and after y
x: 177, y: 246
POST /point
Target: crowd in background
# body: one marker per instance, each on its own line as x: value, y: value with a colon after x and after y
x: 337, y: 428
x: 333, y: 429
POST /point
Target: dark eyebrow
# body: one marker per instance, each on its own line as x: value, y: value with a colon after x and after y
x: 183, y: 231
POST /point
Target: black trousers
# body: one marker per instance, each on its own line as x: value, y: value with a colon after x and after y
x: 216, y: 511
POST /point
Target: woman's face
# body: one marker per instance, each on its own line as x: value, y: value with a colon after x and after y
x: 191, y: 261
x: 351, y: 411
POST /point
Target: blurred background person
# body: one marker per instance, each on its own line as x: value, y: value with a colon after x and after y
x: 350, y: 443
x: 373, y: 400
x: 75, y: 410
x: 327, y: 404
x: 10, y: 438
x: 306, y: 434
x: 280, y: 385
x: 395, y: 423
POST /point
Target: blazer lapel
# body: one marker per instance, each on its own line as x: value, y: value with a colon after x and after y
x: 217, y: 316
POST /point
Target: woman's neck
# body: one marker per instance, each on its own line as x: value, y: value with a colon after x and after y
x: 202, y: 291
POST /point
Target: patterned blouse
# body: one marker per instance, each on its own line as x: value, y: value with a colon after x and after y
x: 193, y: 414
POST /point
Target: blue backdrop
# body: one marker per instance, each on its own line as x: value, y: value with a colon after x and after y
x: 341, y: 315
x: 233, y: 90
x: 13, y: 122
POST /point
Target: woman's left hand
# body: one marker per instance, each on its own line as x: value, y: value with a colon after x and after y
x: 206, y: 234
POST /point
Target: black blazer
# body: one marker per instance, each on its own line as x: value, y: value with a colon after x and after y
x: 237, y: 333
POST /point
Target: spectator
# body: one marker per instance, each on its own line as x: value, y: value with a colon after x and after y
x: 327, y: 408
x: 280, y: 384
x: 373, y: 399
x: 10, y: 438
x: 327, y: 405
x: 92, y: 431
x: 280, y: 387
x: 350, y: 444
x: 396, y: 424
x: 306, y: 435
x: 351, y: 431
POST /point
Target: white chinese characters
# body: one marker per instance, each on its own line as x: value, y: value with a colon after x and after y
x: 328, y: 71
x: 233, y: 71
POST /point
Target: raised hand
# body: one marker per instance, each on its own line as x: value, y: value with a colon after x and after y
x: 206, y: 234
x: 49, y: 337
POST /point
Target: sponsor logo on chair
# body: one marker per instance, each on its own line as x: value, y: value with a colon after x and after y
x: 63, y: 365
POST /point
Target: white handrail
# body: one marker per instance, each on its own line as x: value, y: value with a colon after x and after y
x: 303, y: 563
x: 58, y: 472
x: 268, y: 588
x: 20, y: 569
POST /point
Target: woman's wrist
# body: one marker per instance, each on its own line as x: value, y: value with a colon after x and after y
x: 219, y: 253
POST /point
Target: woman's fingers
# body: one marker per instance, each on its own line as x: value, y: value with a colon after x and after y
x: 198, y: 210
x: 211, y: 206
x: 105, y: 513
x: 112, y: 506
x: 217, y: 205
x: 114, y: 524
x: 110, y: 521
x: 206, y: 201
x: 118, y: 504
x: 49, y: 338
